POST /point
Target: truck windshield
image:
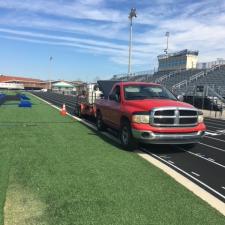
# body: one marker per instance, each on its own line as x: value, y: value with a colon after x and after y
x: 140, y: 92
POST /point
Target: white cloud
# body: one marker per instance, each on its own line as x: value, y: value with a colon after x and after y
x: 94, y: 26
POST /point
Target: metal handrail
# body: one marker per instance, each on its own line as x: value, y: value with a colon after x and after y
x: 184, y: 82
x: 166, y: 76
x: 196, y: 76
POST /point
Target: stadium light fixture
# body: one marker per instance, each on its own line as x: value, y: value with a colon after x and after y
x: 50, y: 71
x: 167, y: 42
x: 131, y: 16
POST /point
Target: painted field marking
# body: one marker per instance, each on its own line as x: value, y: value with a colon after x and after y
x: 217, y: 124
x: 171, y: 161
x: 221, y: 131
x: 210, y: 159
x: 215, y: 138
x: 202, y: 157
x: 196, y: 174
x: 165, y: 156
x: 210, y: 133
x: 219, y: 149
x: 223, y: 187
x: 213, y: 127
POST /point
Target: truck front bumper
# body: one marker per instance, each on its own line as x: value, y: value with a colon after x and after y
x: 167, y: 138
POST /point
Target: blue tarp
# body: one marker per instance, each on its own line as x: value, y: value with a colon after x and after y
x: 23, y: 96
x: 24, y: 103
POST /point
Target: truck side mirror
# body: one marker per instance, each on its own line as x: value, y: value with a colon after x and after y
x: 180, y: 98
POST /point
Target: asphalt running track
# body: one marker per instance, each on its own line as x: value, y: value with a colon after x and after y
x: 203, y: 164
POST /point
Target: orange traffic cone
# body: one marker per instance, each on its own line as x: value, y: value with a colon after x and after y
x: 63, y: 110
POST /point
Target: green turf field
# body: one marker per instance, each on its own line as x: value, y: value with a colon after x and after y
x: 55, y: 171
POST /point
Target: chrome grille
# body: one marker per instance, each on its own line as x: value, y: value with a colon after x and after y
x: 174, y: 116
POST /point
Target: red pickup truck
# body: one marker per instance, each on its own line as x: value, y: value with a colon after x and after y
x: 147, y: 112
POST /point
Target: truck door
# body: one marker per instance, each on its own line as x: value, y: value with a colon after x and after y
x: 114, y: 109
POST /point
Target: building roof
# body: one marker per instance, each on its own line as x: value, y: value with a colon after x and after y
x: 5, y: 79
x: 62, y: 84
x: 180, y: 53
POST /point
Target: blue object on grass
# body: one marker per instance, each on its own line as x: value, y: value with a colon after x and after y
x: 24, y: 103
x: 23, y: 97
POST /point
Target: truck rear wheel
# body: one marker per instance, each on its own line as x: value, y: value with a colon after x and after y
x: 99, y: 122
x: 77, y: 111
x: 126, y: 138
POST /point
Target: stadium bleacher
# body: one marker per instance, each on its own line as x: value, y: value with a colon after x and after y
x: 184, y: 81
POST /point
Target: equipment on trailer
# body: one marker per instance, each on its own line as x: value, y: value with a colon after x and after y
x: 86, y: 100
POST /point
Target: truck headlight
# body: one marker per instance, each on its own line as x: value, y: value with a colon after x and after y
x: 140, y: 118
x: 200, y: 117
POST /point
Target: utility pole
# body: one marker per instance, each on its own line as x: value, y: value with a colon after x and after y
x: 131, y: 15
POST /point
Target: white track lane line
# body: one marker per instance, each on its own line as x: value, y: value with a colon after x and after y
x: 211, y: 133
x: 218, y: 119
x: 210, y: 159
x: 202, y: 157
x: 217, y: 124
x: 187, y: 174
x: 219, y: 149
x: 196, y: 174
x: 217, y: 139
x: 218, y: 128
x: 200, y: 192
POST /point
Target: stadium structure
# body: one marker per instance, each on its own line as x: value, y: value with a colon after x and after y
x: 180, y: 73
x: 182, y: 60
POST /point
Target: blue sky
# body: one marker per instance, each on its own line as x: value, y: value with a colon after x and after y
x: 89, y: 38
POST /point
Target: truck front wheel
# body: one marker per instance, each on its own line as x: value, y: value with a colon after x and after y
x: 127, y: 141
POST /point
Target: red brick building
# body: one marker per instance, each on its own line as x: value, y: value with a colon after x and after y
x: 29, y: 83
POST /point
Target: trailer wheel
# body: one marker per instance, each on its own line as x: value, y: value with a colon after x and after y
x: 126, y: 138
x: 77, y: 111
x: 99, y: 122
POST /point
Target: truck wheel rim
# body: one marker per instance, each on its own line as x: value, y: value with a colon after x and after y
x: 125, y: 136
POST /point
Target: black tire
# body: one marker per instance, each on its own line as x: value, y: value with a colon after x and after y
x: 99, y: 122
x: 77, y: 111
x: 126, y: 138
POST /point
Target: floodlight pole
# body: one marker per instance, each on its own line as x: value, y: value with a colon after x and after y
x: 167, y: 42
x: 131, y: 15
x: 50, y: 71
